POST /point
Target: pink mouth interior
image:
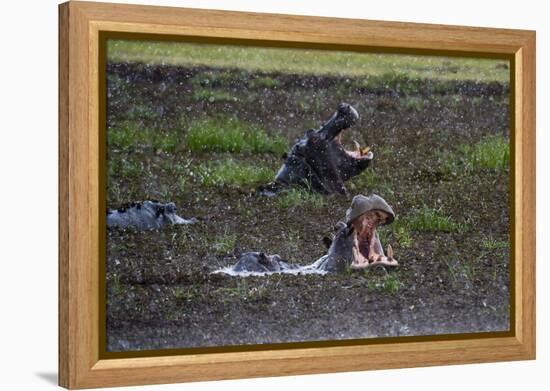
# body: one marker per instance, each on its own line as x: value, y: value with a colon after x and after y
x: 365, y: 251
x: 353, y: 153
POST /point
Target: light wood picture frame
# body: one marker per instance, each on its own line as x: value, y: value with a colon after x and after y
x: 83, y: 26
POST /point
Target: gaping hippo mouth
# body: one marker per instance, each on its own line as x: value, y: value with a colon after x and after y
x: 344, y: 118
x: 358, y: 153
x: 364, y: 216
x: 319, y: 161
x: 366, y: 248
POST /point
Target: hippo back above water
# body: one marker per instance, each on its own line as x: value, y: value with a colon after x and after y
x: 257, y: 262
x: 146, y: 215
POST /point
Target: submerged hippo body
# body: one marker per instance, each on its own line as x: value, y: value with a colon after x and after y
x: 257, y: 262
x: 319, y: 162
x: 146, y: 215
x: 355, y: 244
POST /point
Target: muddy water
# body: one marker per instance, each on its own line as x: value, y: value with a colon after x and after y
x: 161, y: 291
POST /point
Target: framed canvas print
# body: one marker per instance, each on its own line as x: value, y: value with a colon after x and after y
x: 247, y: 195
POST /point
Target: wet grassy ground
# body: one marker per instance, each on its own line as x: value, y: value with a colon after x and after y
x: 431, y: 140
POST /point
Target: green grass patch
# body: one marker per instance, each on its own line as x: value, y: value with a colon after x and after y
x: 371, y: 180
x: 403, y: 82
x: 128, y: 135
x: 125, y: 168
x: 293, y: 241
x: 390, y: 67
x: 402, y: 236
x: 233, y: 173
x: 295, y: 198
x: 493, y: 152
x: 116, y: 285
x: 492, y: 244
x: 461, y: 269
x: 214, y: 78
x: 432, y: 220
x: 397, y: 233
x: 212, y: 95
x: 225, y: 243
x: 181, y: 294
x: 265, y: 82
x: 215, y: 135
x: 389, y: 283
x: 414, y: 103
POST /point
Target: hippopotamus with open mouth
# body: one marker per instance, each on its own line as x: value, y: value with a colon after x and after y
x: 146, y: 215
x: 319, y: 161
x: 355, y: 245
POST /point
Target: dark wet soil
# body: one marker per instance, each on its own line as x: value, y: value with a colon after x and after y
x: 160, y: 290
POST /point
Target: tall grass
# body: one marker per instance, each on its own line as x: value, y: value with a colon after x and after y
x: 294, y: 198
x: 126, y: 136
x: 301, y: 61
x: 211, y: 95
x: 493, y: 244
x: 215, y: 135
x: 493, y: 152
x: 233, y: 173
x: 432, y: 220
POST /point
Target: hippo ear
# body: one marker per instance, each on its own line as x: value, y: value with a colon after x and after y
x: 264, y: 260
x: 339, y: 225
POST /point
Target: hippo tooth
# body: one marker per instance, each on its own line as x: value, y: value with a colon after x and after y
x: 357, y: 146
x: 390, y: 252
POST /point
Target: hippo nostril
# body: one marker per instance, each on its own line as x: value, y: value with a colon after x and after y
x: 349, y: 111
x: 343, y: 106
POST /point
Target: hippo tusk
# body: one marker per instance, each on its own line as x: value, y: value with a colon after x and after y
x: 357, y: 147
x: 390, y: 252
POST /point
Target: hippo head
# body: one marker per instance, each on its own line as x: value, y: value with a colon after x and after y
x: 319, y: 160
x: 356, y: 243
x: 146, y: 215
x: 258, y: 262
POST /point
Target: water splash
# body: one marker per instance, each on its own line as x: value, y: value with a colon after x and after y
x: 296, y: 271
